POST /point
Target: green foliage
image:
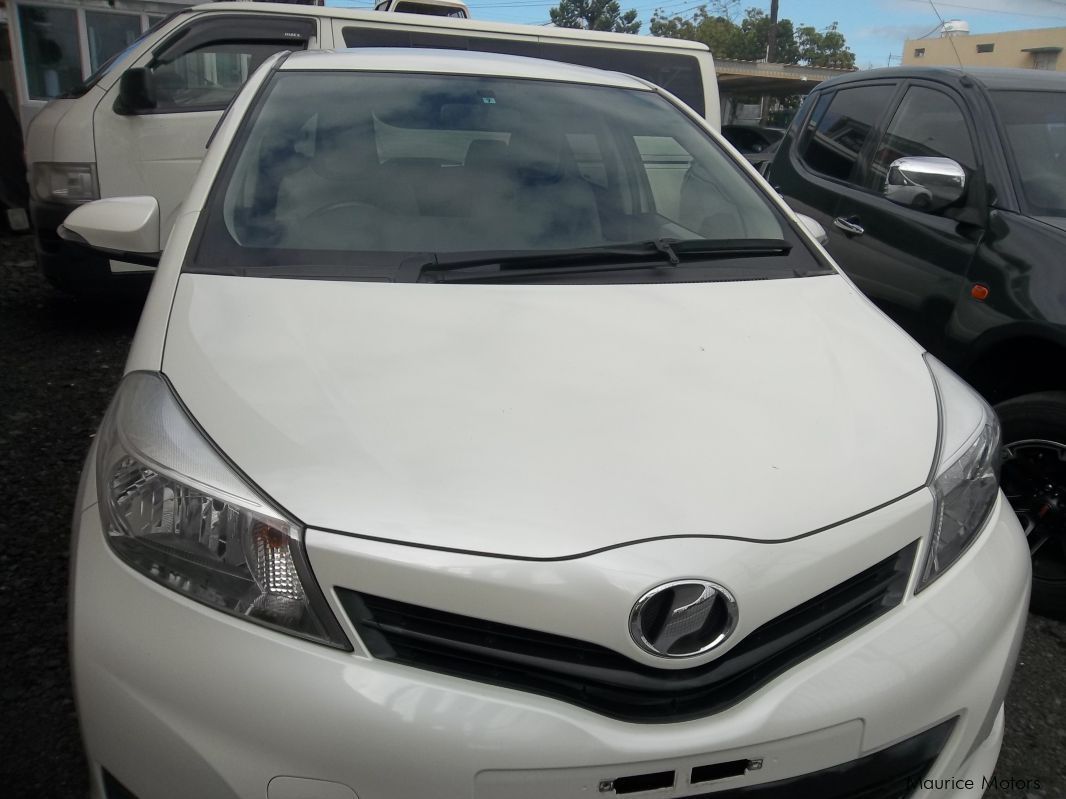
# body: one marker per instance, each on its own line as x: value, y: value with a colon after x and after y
x: 745, y: 38
x: 595, y: 15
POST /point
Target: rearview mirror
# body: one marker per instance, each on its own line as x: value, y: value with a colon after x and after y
x: 126, y: 228
x: 136, y: 92
x: 924, y: 183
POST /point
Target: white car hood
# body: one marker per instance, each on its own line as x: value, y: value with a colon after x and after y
x: 548, y: 421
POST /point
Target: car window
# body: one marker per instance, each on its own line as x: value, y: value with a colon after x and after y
x: 927, y: 123
x: 839, y: 127
x: 1035, y: 125
x: 351, y: 168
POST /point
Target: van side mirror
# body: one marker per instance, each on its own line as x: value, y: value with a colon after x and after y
x: 136, y: 92
x: 125, y: 228
x: 924, y: 183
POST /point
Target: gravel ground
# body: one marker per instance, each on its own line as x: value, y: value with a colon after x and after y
x: 60, y: 360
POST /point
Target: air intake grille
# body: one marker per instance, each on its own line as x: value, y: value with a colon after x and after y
x: 892, y: 773
x: 604, y: 681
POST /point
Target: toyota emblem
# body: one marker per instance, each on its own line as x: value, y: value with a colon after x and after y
x: 683, y: 618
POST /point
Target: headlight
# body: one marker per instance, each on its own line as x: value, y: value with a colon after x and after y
x: 176, y: 511
x: 64, y: 183
x: 965, y: 480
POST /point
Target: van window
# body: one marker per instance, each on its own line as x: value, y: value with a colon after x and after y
x: 839, y: 127
x: 208, y: 78
x: 50, y: 45
x: 677, y: 73
x: 203, y: 65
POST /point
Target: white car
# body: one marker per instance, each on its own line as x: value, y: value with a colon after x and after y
x: 492, y: 430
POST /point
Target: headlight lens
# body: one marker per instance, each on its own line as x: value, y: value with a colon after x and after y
x: 64, y: 183
x: 177, y: 512
x: 965, y: 480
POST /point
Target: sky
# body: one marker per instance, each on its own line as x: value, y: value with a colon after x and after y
x: 874, y: 29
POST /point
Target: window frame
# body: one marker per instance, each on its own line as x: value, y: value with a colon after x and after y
x: 18, y: 55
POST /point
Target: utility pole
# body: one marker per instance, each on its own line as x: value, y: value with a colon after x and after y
x: 771, y: 38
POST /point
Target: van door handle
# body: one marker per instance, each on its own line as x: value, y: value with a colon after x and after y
x: 850, y: 225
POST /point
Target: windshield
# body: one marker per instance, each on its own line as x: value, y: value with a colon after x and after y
x: 1035, y: 123
x: 367, y: 171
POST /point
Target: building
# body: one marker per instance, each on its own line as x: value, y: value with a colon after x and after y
x: 1039, y: 48
x: 52, y: 45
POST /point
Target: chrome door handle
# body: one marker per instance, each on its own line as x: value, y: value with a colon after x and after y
x: 849, y: 225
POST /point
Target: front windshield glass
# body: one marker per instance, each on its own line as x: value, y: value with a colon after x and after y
x: 1035, y: 123
x: 355, y: 168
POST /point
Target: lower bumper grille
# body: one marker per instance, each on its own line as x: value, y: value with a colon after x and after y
x: 892, y: 773
x: 607, y: 682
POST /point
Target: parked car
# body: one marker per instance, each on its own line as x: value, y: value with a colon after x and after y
x: 139, y: 125
x: 489, y: 431
x: 752, y: 139
x: 944, y: 194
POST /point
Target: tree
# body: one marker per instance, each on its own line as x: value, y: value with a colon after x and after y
x: 746, y: 38
x: 595, y: 15
x: 824, y: 48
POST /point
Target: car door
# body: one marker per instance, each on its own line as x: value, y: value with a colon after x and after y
x: 196, y: 71
x: 820, y: 158
x: 910, y: 259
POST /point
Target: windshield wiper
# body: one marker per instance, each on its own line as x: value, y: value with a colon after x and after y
x: 611, y: 257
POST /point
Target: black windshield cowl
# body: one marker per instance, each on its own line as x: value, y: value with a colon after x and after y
x: 657, y: 253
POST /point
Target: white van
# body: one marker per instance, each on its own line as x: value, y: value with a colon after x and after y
x: 140, y: 124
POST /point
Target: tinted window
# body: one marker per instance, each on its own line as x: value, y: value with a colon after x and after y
x: 839, y: 127
x: 355, y: 170
x: 50, y: 48
x: 678, y: 74
x: 1035, y: 123
x: 927, y: 123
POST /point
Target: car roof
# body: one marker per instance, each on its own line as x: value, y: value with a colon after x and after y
x: 473, y: 26
x: 455, y: 62
x: 990, y: 77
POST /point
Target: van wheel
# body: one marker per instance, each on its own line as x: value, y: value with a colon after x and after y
x: 1034, y: 480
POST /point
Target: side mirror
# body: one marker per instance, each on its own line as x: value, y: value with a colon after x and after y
x: 136, y: 92
x: 924, y: 183
x: 814, y: 228
x: 126, y: 228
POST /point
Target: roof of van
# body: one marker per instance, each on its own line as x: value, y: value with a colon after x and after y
x: 394, y: 19
x: 456, y: 62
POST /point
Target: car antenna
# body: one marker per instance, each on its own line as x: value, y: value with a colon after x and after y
x: 950, y: 38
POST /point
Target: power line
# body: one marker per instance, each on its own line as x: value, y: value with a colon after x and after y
x: 989, y: 10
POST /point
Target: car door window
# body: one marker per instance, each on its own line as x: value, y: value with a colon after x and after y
x: 839, y: 127
x: 927, y: 123
x: 212, y: 61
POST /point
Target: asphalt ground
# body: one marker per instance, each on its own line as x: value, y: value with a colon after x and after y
x: 60, y: 360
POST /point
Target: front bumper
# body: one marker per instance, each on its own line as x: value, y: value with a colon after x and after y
x: 177, y: 700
